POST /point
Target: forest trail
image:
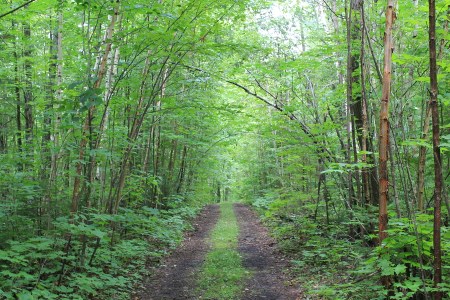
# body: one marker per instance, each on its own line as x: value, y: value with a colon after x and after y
x: 176, y: 278
x: 262, y: 258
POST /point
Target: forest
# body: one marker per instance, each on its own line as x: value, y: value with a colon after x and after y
x: 121, y: 119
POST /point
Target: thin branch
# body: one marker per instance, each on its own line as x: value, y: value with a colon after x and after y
x: 332, y: 11
x: 377, y: 68
x: 17, y: 8
x: 265, y: 90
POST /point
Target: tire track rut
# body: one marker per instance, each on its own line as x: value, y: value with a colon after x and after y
x: 263, y: 259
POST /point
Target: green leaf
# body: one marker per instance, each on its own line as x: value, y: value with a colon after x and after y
x: 25, y: 295
x: 400, y: 269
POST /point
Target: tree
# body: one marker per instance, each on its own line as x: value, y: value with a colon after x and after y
x: 436, y: 152
x: 384, y: 123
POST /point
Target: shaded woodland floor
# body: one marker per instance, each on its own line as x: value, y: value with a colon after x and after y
x: 176, y: 276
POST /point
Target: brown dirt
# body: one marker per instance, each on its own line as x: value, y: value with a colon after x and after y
x: 263, y: 259
x: 174, y: 279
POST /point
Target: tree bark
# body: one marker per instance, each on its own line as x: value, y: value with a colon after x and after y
x: 384, y: 131
x: 182, y: 172
x: 28, y: 89
x: 422, y: 161
x: 437, y: 279
x: 384, y: 123
x: 18, y: 99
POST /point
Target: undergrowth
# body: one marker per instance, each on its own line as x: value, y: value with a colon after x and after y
x: 340, y: 260
x: 93, y: 256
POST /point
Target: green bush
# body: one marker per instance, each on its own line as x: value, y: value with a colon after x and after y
x: 95, y: 255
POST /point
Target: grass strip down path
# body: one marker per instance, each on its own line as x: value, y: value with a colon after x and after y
x: 222, y: 275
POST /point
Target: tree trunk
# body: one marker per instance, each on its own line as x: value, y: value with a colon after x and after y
x: 436, y: 151
x: 18, y: 100
x: 384, y: 122
x: 422, y: 161
x: 384, y: 131
x: 28, y: 89
x: 182, y: 172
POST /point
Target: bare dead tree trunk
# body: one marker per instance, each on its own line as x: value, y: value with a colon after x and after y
x: 384, y: 121
x: 384, y: 129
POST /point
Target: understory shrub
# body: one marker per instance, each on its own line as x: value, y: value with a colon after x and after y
x: 93, y: 256
x: 333, y: 264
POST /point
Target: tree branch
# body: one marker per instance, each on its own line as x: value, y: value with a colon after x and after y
x: 17, y: 8
x: 321, y: 149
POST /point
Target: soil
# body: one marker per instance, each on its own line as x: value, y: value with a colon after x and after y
x: 175, y: 278
x: 262, y: 257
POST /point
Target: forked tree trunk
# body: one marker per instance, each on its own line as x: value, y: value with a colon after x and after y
x: 436, y: 151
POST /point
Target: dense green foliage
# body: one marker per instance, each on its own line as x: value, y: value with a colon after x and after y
x: 118, y: 119
x: 107, y: 267
x: 109, y: 139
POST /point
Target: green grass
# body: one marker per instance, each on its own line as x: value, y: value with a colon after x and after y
x: 222, y: 276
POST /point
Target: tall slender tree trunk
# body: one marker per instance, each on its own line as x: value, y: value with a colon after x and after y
x: 182, y: 172
x: 28, y: 89
x: 384, y: 122
x: 18, y: 99
x: 422, y: 161
x: 348, y: 104
x: 369, y: 174
x: 436, y: 151
x: 59, y: 94
x: 384, y: 129
x: 425, y: 131
x: 171, y: 166
x: 87, y: 127
x: 46, y: 165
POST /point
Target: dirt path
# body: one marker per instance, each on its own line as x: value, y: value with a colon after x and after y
x: 261, y: 257
x: 174, y: 278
